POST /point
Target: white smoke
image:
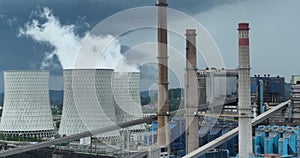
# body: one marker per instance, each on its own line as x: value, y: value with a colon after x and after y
x: 73, y: 51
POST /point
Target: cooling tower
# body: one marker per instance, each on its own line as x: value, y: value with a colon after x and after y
x: 88, y: 101
x: 26, y: 109
x: 126, y: 93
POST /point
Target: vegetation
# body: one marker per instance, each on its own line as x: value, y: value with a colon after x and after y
x: 57, y: 136
x: 175, y: 100
x: 19, y: 138
x: 56, y: 107
x: 56, y: 111
x: 57, y: 124
x: 145, y: 100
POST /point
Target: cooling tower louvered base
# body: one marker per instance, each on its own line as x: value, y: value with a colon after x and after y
x: 33, y: 134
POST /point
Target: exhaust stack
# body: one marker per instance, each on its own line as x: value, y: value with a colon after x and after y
x: 244, y: 105
x: 163, y: 136
x: 191, y: 93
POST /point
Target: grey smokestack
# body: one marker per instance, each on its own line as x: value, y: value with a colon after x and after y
x: 191, y: 93
x: 244, y: 105
x: 163, y: 137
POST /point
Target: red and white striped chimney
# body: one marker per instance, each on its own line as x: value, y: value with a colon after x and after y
x: 244, y: 105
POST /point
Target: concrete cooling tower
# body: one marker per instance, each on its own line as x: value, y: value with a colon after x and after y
x: 26, y: 110
x: 126, y: 90
x: 88, y: 101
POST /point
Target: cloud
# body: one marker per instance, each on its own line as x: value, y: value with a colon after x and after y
x: 12, y: 21
x: 72, y: 50
x: 8, y: 20
x: 273, y: 39
x: 197, y: 6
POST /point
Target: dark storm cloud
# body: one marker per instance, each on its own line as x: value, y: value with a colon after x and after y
x: 96, y: 10
x: 196, y: 6
x: 23, y: 53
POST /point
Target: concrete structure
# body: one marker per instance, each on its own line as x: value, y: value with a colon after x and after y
x: 88, y: 101
x: 218, y: 86
x: 275, y: 90
x: 85, y: 134
x: 191, y: 93
x: 126, y: 92
x: 295, y: 89
x: 244, y: 104
x: 96, y: 98
x: 202, y: 88
x: 267, y: 91
x: 295, y: 79
x: 177, y: 135
x: 163, y: 84
x: 27, y: 110
x: 219, y: 83
x: 200, y: 151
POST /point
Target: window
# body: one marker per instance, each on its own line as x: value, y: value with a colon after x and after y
x: 243, y: 34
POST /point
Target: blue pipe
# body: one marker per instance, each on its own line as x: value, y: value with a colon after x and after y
x: 261, y: 96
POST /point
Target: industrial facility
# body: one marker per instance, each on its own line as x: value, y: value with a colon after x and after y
x: 216, y: 83
x: 126, y: 92
x: 79, y: 89
x: 227, y: 112
x: 26, y: 109
x: 117, y: 100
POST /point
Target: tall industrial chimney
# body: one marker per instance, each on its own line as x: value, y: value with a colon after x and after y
x: 163, y: 136
x: 244, y: 105
x: 191, y: 93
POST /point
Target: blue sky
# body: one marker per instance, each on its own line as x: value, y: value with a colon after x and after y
x: 274, y: 30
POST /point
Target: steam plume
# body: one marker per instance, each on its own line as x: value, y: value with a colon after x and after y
x: 98, y: 51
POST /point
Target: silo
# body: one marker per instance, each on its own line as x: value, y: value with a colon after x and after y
x: 88, y: 101
x: 26, y: 110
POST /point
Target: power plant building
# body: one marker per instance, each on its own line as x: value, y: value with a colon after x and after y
x: 26, y: 110
x: 295, y: 96
x: 217, y: 83
x: 274, y: 89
